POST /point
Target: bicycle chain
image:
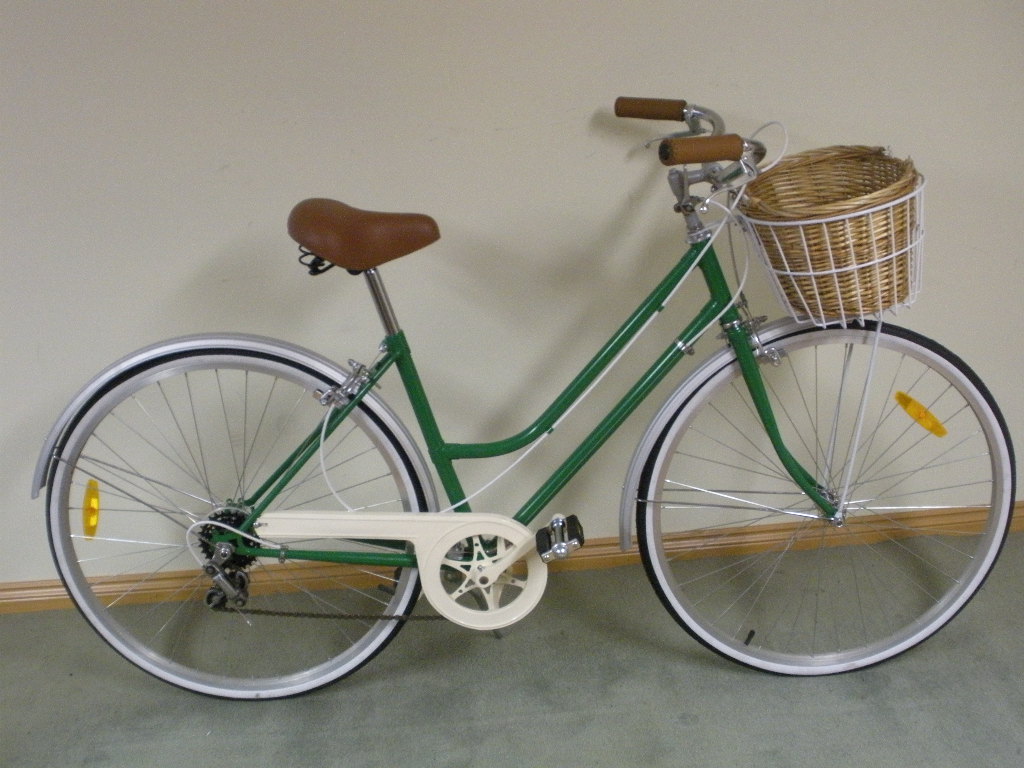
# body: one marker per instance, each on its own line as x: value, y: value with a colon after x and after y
x: 313, y: 615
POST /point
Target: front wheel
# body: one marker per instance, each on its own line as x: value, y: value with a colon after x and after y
x: 159, y: 465
x: 895, y: 427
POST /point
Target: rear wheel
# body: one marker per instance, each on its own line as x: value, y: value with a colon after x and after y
x: 156, y: 469
x: 743, y: 559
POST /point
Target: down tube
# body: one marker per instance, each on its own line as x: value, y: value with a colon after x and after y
x: 622, y: 410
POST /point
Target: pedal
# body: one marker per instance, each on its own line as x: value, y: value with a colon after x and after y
x: 560, y: 539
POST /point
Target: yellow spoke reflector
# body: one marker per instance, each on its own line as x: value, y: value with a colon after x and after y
x: 91, y: 508
x: 921, y: 415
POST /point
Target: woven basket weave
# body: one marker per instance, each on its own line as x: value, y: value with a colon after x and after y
x: 840, y: 229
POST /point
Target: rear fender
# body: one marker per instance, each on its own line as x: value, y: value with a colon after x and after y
x: 57, y: 436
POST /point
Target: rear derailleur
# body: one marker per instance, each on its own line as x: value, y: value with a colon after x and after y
x: 229, y: 585
x: 225, y: 567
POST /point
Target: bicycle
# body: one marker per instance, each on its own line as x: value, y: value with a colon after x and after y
x: 245, y: 518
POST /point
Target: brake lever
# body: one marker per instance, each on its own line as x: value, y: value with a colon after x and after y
x: 695, y: 115
x: 687, y: 134
x: 695, y: 118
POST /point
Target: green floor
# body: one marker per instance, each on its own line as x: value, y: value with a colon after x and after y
x: 598, y: 675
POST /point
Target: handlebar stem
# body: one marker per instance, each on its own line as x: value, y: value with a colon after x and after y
x: 687, y: 204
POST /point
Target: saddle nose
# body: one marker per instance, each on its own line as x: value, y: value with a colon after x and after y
x: 358, y: 240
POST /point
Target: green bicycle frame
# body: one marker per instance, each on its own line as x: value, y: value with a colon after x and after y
x: 443, y: 454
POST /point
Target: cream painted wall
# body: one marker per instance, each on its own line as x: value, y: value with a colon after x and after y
x: 151, y: 151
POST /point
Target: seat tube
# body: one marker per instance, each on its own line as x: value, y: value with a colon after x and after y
x: 381, y: 301
x: 398, y: 346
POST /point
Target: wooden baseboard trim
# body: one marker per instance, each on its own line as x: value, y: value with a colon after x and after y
x: 27, y: 596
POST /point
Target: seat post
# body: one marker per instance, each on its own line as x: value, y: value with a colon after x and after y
x: 382, y: 302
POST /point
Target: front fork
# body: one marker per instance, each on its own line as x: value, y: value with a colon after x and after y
x: 741, y: 334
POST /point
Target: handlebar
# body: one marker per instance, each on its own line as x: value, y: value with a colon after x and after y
x: 706, y: 149
x: 650, y: 109
x: 703, y: 141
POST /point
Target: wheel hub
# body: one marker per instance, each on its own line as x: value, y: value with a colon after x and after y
x: 218, y: 531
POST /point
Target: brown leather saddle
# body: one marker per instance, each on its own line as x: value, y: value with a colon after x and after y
x: 358, y: 240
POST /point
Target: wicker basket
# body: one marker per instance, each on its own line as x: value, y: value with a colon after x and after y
x: 840, y: 229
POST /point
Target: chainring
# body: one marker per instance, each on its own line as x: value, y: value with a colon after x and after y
x: 484, y: 574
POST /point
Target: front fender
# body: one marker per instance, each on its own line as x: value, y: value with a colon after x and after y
x: 723, y: 357
x: 101, y: 382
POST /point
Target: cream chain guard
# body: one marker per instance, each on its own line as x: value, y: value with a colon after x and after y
x: 478, y: 570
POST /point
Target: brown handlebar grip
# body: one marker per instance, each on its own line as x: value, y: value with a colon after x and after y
x: 701, y: 149
x: 649, y: 109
